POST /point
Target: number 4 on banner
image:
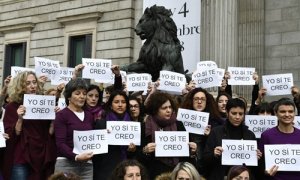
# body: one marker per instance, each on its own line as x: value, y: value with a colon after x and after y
x: 183, y: 10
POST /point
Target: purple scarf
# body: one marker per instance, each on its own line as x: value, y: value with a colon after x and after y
x: 111, y: 116
x: 152, y: 124
x: 95, y: 111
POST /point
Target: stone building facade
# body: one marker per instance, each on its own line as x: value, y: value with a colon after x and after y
x: 264, y: 34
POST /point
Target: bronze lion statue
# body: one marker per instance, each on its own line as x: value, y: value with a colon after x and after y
x: 162, y: 48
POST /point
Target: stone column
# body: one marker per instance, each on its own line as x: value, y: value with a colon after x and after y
x: 232, y: 34
x: 219, y: 37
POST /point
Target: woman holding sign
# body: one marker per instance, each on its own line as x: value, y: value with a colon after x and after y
x: 234, y: 129
x: 116, y: 109
x: 200, y: 100
x: 30, y: 150
x: 162, y: 117
x: 74, y: 117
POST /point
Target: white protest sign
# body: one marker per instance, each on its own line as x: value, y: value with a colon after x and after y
x: 61, y: 103
x: 241, y: 76
x: 297, y: 122
x: 278, y: 84
x: 171, y: 82
x: 172, y: 144
x: 2, y: 139
x: 187, y: 17
x: 138, y: 82
x: 39, y: 107
x: 206, y: 64
x: 238, y: 152
x: 193, y: 121
x: 112, y: 78
x: 47, y: 67
x: 220, y: 73
x: 65, y: 76
x: 15, y: 70
x: 90, y: 141
x: 124, y: 132
x: 206, y: 78
x: 285, y: 156
x: 258, y: 124
x: 98, y: 69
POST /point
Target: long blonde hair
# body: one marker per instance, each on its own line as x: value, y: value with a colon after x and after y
x: 17, y: 87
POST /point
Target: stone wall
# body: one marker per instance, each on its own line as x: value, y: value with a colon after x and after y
x: 282, y: 37
x: 46, y: 26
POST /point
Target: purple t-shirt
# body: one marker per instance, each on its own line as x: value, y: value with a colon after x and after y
x: 65, y: 123
x: 274, y: 136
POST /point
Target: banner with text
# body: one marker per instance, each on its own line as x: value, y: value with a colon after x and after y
x: 61, y: 103
x: 186, y: 15
x: 285, y: 156
x: 193, y: 121
x: 65, y: 76
x: 39, y: 107
x: 171, y: 82
x: 15, y: 70
x: 98, y: 69
x: 206, y: 64
x: 258, y: 124
x: 206, y: 78
x: 90, y: 141
x: 278, y: 84
x: 241, y: 76
x: 124, y: 132
x: 220, y: 73
x: 47, y: 67
x: 112, y: 78
x: 239, y: 152
x: 172, y: 144
x: 138, y: 82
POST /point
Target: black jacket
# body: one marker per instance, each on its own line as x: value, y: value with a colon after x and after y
x: 213, y: 168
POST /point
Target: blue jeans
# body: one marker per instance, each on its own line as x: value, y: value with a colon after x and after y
x: 19, y: 172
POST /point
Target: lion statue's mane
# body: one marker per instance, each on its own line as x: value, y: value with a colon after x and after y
x: 162, y: 48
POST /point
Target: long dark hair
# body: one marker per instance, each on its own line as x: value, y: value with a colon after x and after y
x: 108, y: 104
x: 141, y: 107
x: 211, y: 105
x: 92, y: 87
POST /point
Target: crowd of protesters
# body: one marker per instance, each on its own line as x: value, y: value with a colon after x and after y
x: 43, y: 149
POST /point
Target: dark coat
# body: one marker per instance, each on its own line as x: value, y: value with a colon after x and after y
x: 213, y: 167
x: 35, y: 144
x: 154, y: 166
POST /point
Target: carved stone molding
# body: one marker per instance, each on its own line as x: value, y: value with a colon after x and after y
x: 64, y: 19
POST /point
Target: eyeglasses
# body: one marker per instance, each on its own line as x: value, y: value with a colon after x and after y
x: 134, y: 106
x: 199, y: 99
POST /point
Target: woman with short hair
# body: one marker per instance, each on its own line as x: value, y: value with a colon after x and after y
x: 74, y: 117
